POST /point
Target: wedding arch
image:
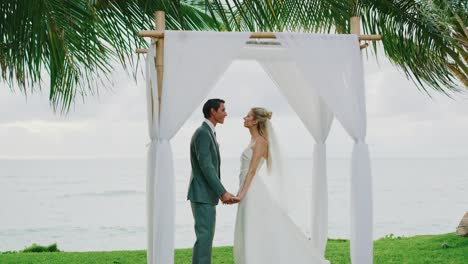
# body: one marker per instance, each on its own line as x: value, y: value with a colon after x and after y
x: 320, y: 75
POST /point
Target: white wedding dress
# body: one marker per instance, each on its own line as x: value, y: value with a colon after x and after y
x: 264, y: 233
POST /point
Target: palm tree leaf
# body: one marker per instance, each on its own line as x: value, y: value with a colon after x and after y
x: 77, y: 41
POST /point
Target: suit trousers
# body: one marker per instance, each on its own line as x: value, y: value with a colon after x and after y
x: 205, y: 222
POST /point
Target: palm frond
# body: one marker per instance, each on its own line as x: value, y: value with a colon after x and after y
x: 58, y: 36
x: 77, y: 41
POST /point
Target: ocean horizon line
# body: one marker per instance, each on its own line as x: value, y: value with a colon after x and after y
x: 6, y: 158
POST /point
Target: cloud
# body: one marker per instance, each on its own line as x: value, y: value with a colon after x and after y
x: 402, y: 122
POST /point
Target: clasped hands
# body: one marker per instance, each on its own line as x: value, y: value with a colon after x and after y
x: 229, y: 198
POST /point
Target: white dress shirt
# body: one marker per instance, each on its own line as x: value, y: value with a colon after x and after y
x: 212, y: 129
x: 211, y: 126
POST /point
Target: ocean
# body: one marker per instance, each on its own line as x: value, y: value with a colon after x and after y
x: 91, y: 205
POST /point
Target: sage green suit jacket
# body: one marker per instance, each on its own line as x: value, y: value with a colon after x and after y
x: 205, y: 181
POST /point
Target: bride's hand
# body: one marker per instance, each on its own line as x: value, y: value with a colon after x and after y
x: 235, y: 199
x: 241, y: 196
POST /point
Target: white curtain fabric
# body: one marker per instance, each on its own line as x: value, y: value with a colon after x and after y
x: 332, y: 65
x: 153, y: 124
x: 318, y: 119
x: 193, y: 62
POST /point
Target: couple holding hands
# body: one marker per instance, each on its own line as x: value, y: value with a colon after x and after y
x: 264, y: 233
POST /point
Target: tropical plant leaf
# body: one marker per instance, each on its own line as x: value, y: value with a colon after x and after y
x: 72, y: 44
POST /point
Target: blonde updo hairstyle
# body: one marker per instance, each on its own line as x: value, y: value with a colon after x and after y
x: 261, y: 115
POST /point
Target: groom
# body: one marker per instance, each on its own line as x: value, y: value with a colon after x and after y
x: 205, y: 185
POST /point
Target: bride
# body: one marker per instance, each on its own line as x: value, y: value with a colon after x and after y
x: 264, y: 233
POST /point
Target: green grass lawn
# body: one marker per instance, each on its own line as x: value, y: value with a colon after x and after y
x: 443, y: 249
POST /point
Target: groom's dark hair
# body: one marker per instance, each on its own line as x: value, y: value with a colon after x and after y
x: 211, y: 103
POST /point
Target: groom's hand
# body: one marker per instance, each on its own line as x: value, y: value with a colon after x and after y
x: 226, y: 198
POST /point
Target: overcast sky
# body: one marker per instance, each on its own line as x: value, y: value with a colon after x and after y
x: 402, y: 122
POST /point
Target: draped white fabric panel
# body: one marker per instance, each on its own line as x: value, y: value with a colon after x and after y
x: 319, y: 202
x: 193, y: 62
x: 321, y: 77
x: 332, y: 65
x: 361, y: 204
x: 153, y: 124
x: 317, y: 119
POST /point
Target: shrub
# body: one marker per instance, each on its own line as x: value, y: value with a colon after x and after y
x: 39, y: 248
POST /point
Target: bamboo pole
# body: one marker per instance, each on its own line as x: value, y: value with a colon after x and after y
x: 362, y: 46
x: 370, y: 37
x: 151, y: 33
x: 356, y: 26
x: 263, y: 35
x: 160, y: 20
x: 355, y: 22
x: 159, y: 34
x: 141, y: 50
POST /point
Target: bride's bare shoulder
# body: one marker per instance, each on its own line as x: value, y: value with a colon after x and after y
x: 261, y: 141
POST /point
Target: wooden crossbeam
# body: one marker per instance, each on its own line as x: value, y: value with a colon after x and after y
x: 159, y: 34
x: 257, y: 35
x: 365, y: 45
